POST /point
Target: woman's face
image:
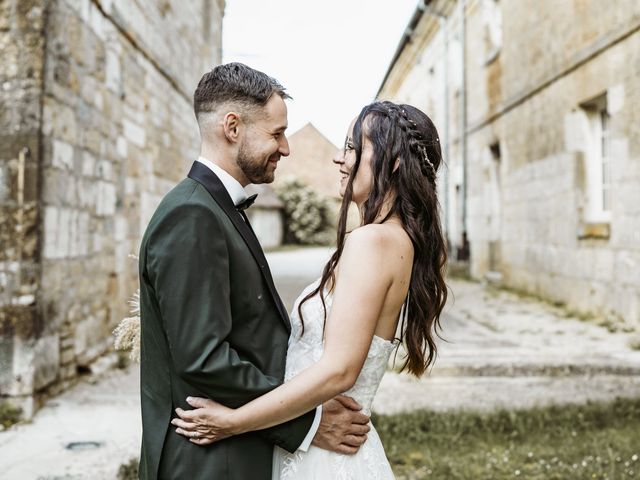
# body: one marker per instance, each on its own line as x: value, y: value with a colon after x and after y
x: 346, y: 159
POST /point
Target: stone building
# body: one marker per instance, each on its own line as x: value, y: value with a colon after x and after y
x: 536, y: 104
x: 310, y: 162
x: 266, y: 216
x: 97, y: 125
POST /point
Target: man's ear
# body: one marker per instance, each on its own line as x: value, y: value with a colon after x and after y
x: 396, y: 165
x: 231, y: 126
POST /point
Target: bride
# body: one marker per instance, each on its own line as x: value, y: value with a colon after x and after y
x: 344, y: 324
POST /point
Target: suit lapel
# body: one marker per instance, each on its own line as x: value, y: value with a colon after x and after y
x: 203, y: 175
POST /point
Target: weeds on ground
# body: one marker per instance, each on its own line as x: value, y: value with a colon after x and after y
x: 129, y: 470
x: 592, y: 441
x: 459, y: 271
x: 612, y: 322
x: 9, y: 415
x: 634, y: 343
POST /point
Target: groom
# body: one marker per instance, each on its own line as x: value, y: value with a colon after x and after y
x: 213, y: 324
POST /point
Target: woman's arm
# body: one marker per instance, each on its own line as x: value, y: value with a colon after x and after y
x: 359, y: 295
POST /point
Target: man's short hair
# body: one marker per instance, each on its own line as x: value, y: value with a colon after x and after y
x: 238, y: 85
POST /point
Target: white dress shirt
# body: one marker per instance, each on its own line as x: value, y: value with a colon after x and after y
x: 233, y: 187
x: 237, y: 194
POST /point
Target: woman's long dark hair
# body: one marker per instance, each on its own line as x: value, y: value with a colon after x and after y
x: 404, y: 137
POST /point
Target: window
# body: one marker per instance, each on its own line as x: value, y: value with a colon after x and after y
x: 597, y: 150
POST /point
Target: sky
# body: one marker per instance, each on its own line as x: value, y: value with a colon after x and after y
x: 330, y: 55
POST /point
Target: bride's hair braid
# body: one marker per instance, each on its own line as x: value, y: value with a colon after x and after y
x: 406, y: 157
x: 416, y: 140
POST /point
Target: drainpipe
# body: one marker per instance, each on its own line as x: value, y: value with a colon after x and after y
x: 463, y: 128
x: 443, y: 22
x: 447, y: 140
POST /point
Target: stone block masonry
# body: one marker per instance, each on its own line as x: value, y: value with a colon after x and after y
x: 540, y: 107
x: 97, y: 125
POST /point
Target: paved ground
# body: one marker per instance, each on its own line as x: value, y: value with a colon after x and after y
x: 502, y: 350
x: 105, y: 415
x: 505, y: 351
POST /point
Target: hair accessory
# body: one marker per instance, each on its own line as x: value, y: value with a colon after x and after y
x: 410, y: 127
x: 427, y: 161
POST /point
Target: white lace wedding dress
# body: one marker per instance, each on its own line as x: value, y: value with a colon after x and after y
x: 370, y: 463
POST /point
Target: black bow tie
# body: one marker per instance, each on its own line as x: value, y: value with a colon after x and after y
x: 247, y: 202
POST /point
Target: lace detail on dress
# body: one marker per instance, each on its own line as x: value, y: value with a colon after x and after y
x: 370, y: 462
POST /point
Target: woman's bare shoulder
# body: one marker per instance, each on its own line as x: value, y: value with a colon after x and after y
x: 367, y: 234
x: 380, y: 236
x: 386, y: 248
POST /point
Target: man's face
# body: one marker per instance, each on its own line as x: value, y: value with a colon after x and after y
x: 264, y: 142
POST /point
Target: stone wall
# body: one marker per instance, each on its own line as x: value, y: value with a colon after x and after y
x: 551, y: 63
x: 23, y: 342
x: 113, y: 131
x: 530, y: 67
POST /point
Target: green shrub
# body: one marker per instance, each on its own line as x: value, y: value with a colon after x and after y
x: 307, y: 215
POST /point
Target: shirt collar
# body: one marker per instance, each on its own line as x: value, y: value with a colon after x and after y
x: 233, y: 186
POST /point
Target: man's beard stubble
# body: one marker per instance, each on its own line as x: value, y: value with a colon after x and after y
x: 252, y: 166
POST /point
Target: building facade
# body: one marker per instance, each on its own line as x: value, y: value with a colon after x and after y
x: 97, y: 125
x: 535, y: 104
x: 266, y: 215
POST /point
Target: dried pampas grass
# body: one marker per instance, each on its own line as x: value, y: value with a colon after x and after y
x: 127, y: 333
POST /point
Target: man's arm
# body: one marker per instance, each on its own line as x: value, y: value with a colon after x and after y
x: 187, y: 264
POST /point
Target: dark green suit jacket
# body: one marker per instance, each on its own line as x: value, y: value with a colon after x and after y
x: 212, y: 326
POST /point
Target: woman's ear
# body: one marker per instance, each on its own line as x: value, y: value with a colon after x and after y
x: 231, y: 125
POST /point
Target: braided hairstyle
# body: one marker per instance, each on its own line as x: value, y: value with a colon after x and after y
x: 406, y: 157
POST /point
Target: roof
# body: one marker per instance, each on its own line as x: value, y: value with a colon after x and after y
x: 405, y: 39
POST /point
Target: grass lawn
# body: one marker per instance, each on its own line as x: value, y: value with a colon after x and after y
x: 592, y: 441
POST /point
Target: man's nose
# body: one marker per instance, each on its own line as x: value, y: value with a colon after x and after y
x: 284, y: 146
